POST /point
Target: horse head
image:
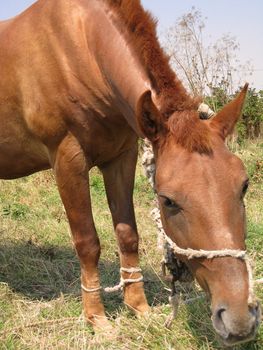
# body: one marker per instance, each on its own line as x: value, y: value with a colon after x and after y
x: 201, y: 186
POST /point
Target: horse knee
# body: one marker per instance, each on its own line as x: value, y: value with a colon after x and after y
x: 88, y: 248
x: 128, y: 238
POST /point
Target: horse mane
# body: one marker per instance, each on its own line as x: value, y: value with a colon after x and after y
x: 177, y: 106
x: 141, y: 27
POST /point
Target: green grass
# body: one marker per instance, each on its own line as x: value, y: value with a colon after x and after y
x: 40, y: 304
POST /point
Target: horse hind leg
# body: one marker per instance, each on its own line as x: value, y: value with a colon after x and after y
x: 71, y: 173
x: 119, y: 181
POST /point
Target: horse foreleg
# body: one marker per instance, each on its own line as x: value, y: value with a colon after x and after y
x: 119, y: 181
x: 71, y: 173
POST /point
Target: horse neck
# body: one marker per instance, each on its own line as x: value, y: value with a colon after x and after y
x: 4, y: 24
x: 125, y: 77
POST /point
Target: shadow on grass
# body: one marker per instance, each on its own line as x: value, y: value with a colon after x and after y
x: 37, y: 271
x: 43, y: 272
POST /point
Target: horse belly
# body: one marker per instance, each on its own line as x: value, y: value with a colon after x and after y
x: 21, y: 153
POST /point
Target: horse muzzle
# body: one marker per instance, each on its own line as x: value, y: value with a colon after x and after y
x: 233, y: 327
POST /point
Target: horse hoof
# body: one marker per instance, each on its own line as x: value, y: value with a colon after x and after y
x: 145, y: 314
x: 100, y: 322
x: 140, y: 312
x: 104, y: 330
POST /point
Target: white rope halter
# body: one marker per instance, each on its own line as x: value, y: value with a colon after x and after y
x: 190, y: 253
x: 119, y: 286
x: 148, y: 162
x: 208, y: 254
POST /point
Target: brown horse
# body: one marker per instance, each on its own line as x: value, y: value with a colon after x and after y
x: 80, y: 81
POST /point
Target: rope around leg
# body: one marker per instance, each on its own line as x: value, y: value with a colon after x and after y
x: 130, y: 269
x: 119, y: 286
x: 90, y: 290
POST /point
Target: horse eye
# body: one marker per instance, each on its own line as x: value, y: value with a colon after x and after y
x: 245, y: 187
x: 170, y: 204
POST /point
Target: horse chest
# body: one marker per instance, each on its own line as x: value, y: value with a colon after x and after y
x: 103, y: 139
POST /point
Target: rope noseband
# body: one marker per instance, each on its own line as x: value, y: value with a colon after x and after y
x: 190, y: 253
x: 208, y: 254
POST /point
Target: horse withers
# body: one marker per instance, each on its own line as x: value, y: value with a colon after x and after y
x: 81, y: 80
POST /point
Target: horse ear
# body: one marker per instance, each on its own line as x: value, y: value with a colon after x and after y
x: 148, y: 116
x: 226, y: 119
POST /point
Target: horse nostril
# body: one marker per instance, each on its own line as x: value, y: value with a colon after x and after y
x: 255, y: 310
x: 218, y: 322
x: 219, y: 313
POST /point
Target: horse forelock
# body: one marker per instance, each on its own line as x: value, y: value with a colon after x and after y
x: 188, y: 131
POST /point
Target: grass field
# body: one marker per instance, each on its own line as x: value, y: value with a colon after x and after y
x: 40, y: 304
